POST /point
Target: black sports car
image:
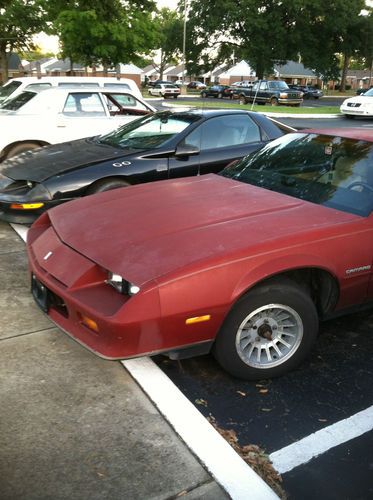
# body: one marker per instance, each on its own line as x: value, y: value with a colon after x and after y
x: 160, y: 146
x: 218, y: 91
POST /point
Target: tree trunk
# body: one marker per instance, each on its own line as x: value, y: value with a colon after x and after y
x: 161, y: 66
x: 346, y: 63
x: 4, y: 64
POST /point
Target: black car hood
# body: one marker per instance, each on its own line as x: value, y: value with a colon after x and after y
x: 40, y: 164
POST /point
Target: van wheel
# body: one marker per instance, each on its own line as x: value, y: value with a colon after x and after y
x: 22, y: 148
x: 268, y: 332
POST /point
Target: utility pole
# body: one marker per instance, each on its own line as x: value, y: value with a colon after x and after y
x: 184, y: 43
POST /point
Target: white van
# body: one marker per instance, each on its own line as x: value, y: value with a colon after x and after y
x: 16, y: 85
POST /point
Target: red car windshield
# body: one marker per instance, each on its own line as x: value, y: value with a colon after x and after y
x: 336, y: 172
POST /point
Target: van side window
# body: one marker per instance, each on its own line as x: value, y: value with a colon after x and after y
x: 78, y: 84
x: 118, y: 85
x: 38, y: 86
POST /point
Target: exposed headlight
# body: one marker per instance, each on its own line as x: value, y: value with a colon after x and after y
x: 283, y: 95
x: 4, y: 181
x: 121, y: 285
x: 38, y: 192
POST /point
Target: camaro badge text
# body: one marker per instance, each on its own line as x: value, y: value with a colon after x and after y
x: 46, y: 257
x: 358, y: 269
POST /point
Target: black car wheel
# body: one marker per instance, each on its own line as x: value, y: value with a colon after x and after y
x: 243, y: 100
x: 268, y: 332
x: 220, y: 95
x: 106, y: 185
x: 273, y: 101
x: 203, y: 94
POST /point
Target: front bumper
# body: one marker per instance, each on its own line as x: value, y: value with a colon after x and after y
x: 22, y: 216
x: 70, y: 288
x: 355, y: 111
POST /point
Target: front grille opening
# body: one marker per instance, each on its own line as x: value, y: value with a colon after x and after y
x: 58, y: 304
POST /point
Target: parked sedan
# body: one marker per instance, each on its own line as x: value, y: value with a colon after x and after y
x: 165, y: 90
x: 218, y: 91
x: 243, y: 264
x: 360, y: 105
x: 164, y: 145
x: 309, y: 92
x: 33, y: 119
x: 196, y: 85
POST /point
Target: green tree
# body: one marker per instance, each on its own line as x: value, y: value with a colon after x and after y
x: 261, y: 31
x: 330, y: 29
x: 169, y: 26
x: 104, y: 32
x: 265, y: 32
x: 19, y: 21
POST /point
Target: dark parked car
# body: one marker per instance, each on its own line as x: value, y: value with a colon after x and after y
x: 244, y: 264
x: 218, y: 91
x: 309, y: 92
x: 160, y: 146
x: 196, y: 85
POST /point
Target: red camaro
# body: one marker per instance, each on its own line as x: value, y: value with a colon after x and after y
x: 244, y: 263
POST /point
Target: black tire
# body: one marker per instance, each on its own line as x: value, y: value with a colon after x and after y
x: 220, y: 95
x: 106, y: 185
x: 243, y: 99
x: 350, y: 117
x: 255, y: 327
x: 175, y: 96
x: 273, y: 101
x: 22, y: 148
x: 204, y: 95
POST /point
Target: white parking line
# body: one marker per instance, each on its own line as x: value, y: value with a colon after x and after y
x: 21, y: 230
x: 225, y: 465
x: 321, y: 441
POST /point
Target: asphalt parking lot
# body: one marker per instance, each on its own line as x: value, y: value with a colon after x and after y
x: 333, y: 385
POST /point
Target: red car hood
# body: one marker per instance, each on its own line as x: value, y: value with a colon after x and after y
x: 147, y: 231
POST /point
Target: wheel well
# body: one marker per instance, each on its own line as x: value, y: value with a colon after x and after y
x: 8, y: 147
x: 322, y: 287
x: 91, y: 188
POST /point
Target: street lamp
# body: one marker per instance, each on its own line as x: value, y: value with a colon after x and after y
x: 184, y: 43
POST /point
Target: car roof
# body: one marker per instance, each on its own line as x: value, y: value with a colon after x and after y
x: 207, y: 112
x: 73, y: 88
x: 349, y: 133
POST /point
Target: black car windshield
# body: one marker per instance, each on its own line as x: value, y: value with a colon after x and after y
x: 14, y: 103
x: 151, y: 131
x: 331, y: 171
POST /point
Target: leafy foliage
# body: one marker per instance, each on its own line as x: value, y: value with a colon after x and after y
x: 265, y: 32
x: 19, y: 21
x: 104, y: 32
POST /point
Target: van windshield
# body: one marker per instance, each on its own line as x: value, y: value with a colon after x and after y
x: 7, y: 90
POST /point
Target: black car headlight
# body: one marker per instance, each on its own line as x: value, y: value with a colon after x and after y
x: 121, y: 285
x: 4, y: 181
x: 38, y: 192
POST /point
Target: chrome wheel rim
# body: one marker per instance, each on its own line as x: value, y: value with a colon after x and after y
x: 269, y: 336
